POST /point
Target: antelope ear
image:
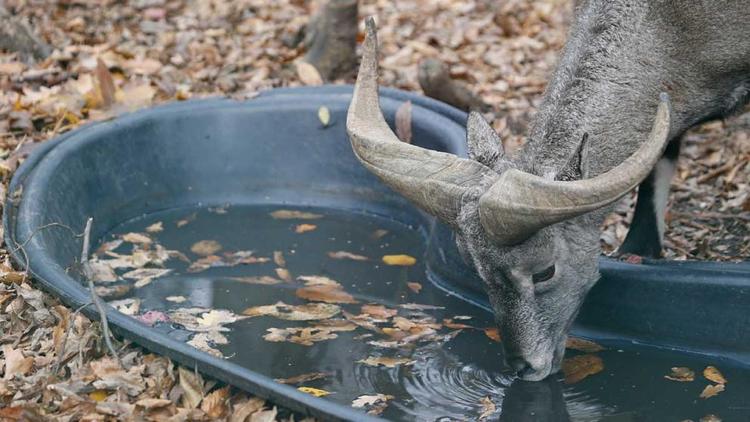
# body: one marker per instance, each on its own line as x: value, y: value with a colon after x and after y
x: 484, y: 144
x: 577, y: 167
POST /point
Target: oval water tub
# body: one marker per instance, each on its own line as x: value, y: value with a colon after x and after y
x: 274, y: 151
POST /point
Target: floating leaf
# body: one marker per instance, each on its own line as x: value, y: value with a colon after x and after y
x: 399, y: 260
x: 488, y: 408
x: 206, y: 247
x: 304, y: 228
x: 314, y: 391
x: 420, y: 307
x: 323, y: 289
x: 308, y: 74
x: 305, y: 336
x: 376, y: 403
x: 346, y: 255
x: 378, y: 311
x: 386, y: 361
x: 712, y: 374
x: 294, y: 215
x: 278, y: 258
x: 710, y: 418
x: 681, y: 374
x: 403, y: 122
x: 176, y: 299
x: 579, y: 367
x: 284, y: 274
x: 306, y: 312
x: 303, y: 378
x: 711, y: 390
x: 155, y: 228
x: 144, y: 276
x: 138, y: 238
x: 324, y: 115
x: 262, y: 280
x: 414, y: 287
x: 586, y: 346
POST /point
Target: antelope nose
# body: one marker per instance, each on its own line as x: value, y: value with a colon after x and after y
x: 521, y: 367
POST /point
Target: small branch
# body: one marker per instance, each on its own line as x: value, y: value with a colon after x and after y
x: 95, y: 297
x: 331, y: 38
x: 436, y: 82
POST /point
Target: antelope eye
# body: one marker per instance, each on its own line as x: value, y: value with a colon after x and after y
x: 545, y: 275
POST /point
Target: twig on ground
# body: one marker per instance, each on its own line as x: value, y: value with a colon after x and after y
x: 95, y: 297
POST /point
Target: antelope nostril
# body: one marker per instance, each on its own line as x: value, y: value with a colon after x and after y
x: 526, y: 370
x: 521, y: 366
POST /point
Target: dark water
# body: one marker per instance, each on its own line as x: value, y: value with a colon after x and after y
x: 450, y: 375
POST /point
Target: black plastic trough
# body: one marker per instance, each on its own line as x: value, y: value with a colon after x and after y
x: 274, y: 150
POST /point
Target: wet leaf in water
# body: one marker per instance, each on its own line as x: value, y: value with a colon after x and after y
x: 386, y: 361
x: 150, y: 318
x: 278, y: 258
x: 137, y: 238
x: 308, y: 74
x: 414, y: 287
x: 314, y: 391
x: 176, y: 299
x: 284, y: 274
x: 710, y: 418
x: 294, y: 215
x: 155, y: 228
x: 109, y: 246
x: 187, y: 220
x: 99, y: 271
x: 376, y: 403
x: 582, y: 345
x: 681, y: 374
x: 419, y: 307
x: 113, y: 292
x: 378, y: 311
x: 399, y: 260
x: 206, y: 247
x: 303, y: 378
x: 206, y: 341
x: 712, y: 374
x: 403, y: 122
x: 304, y: 228
x: 306, y: 312
x: 488, y: 408
x: 711, y: 390
x: 579, y: 367
x: 346, y: 255
x: 144, y: 276
x: 324, y: 115
x: 377, y: 234
x: 130, y: 306
x: 323, y: 289
x: 262, y: 280
x: 305, y: 336
x: 449, y: 323
x: 229, y: 259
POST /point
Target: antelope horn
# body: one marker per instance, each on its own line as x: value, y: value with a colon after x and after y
x: 434, y: 181
x: 520, y: 204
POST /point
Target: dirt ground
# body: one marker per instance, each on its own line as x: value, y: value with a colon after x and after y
x: 111, y: 57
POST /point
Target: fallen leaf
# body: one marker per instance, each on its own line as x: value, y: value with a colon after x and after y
x: 587, y: 346
x: 403, y: 122
x: 15, y: 362
x: 153, y: 403
x: 207, y: 340
x: 399, y: 260
x: 99, y: 271
x: 414, y: 287
x: 488, y: 408
x: 215, y: 404
x: 324, y: 115
x: 712, y: 374
x: 113, y: 292
x: 106, y: 85
x: 377, y: 234
x: 144, y: 276
x: 303, y: 378
x: 136, y: 95
x: 206, y: 247
x: 308, y: 74
x: 306, y: 336
x: 386, y: 361
x: 304, y: 228
x: 185, y: 221
x: 346, y: 255
x: 681, y: 374
x: 155, y: 228
x: 378, y: 311
x: 176, y: 299
x: 284, y: 274
x: 420, y: 307
x: 264, y: 416
x: 306, y: 312
x: 192, y: 385
x: 369, y: 400
x: 151, y: 317
x: 243, y: 410
x: 262, y: 280
x: 278, y: 258
x: 137, y: 238
x: 314, y: 391
x: 325, y: 293
x: 579, y: 367
x: 98, y: 395
x: 711, y: 390
x: 709, y: 418
x: 294, y: 215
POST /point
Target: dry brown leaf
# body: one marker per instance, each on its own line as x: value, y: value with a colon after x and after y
x: 216, y: 403
x: 155, y: 228
x: 144, y: 276
x: 488, y: 408
x: 262, y: 280
x: 105, y: 85
x: 399, y: 260
x: 403, y: 122
x: 579, y: 367
x: 303, y: 378
x: 15, y: 362
x: 375, y: 403
x: 284, y: 274
x: 137, y: 238
x: 264, y: 416
x: 711, y: 390
x: 242, y: 411
x: 294, y: 215
x: 278, y: 259
x: 712, y: 374
x: 325, y: 293
x: 386, y: 361
x: 414, y: 286
x: 582, y: 345
x: 206, y: 247
x: 308, y: 74
x: 306, y: 312
x: 192, y: 386
x: 153, y: 403
x: 304, y: 228
x: 305, y: 336
x: 378, y: 311
x: 346, y: 255
x: 681, y: 374
x: 176, y: 299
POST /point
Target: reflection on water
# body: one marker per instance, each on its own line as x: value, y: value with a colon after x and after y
x: 449, y: 376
